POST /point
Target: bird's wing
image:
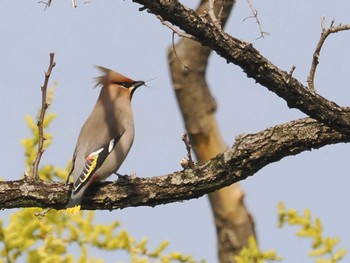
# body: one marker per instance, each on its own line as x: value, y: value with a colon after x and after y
x: 93, y: 161
x: 72, y: 165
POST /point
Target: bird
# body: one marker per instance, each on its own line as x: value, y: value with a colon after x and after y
x: 106, y: 137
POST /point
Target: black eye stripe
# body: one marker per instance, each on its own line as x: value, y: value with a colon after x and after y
x: 125, y: 84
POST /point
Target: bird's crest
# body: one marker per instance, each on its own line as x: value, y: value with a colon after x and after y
x: 110, y: 76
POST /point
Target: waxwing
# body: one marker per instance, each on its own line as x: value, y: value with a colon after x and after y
x: 106, y: 137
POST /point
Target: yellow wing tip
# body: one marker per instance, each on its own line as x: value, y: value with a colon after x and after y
x: 73, y: 210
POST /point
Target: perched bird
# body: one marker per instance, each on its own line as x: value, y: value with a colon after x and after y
x: 106, y: 137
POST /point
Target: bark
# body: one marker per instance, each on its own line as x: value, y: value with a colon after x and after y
x: 188, y: 63
x: 254, y: 64
x: 249, y: 154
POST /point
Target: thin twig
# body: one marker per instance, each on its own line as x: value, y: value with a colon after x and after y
x: 187, y: 163
x: 175, y: 30
x: 47, y: 4
x: 255, y: 15
x: 315, y: 59
x: 174, y: 49
x: 44, y: 106
x: 40, y: 215
x: 290, y: 74
x: 291, y: 71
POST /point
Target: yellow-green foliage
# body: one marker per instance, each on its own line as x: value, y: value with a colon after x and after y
x: 323, y: 248
x: 29, y: 144
x: 50, y: 237
x: 252, y: 253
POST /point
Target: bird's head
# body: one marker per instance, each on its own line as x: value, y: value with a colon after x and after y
x: 113, y: 77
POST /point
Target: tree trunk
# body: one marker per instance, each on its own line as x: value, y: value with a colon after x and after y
x: 188, y: 63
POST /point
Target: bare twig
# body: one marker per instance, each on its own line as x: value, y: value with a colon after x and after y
x: 189, y: 161
x: 174, y: 48
x: 73, y: 2
x: 290, y: 74
x: 40, y: 215
x: 47, y: 3
x: 174, y: 29
x: 44, y: 106
x: 315, y: 59
x: 292, y: 71
x: 255, y: 15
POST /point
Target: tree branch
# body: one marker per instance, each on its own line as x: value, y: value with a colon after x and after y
x: 187, y: 162
x: 44, y: 106
x: 255, y: 15
x: 252, y: 62
x: 175, y: 30
x: 47, y: 4
x: 249, y: 154
x: 315, y: 58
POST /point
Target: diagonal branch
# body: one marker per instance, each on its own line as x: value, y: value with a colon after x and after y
x: 249, y: 154
x: 252, y: 62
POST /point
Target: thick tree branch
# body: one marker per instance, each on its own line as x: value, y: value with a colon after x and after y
x: 248, y: 155
x: 252, y: 62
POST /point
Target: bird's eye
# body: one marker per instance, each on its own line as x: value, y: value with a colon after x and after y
x: 124, y: 84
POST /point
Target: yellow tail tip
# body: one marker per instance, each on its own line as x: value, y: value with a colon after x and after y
x: 73, y: 210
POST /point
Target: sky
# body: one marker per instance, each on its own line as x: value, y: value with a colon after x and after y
x: 115, y: 34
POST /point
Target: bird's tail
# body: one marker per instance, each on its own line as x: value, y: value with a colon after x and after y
x: 73, y: 206
x: 73, y: 210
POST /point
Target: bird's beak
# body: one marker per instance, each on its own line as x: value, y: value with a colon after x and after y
x: 137, y: 84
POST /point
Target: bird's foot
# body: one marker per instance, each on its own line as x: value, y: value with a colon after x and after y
x: 124, y: 177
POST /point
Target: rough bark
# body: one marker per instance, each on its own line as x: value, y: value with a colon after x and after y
x: 254, y: 64
x: 249, y: 154
x: 188, y: 63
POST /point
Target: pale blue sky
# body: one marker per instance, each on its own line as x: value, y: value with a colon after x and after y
x: 115, y: 34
